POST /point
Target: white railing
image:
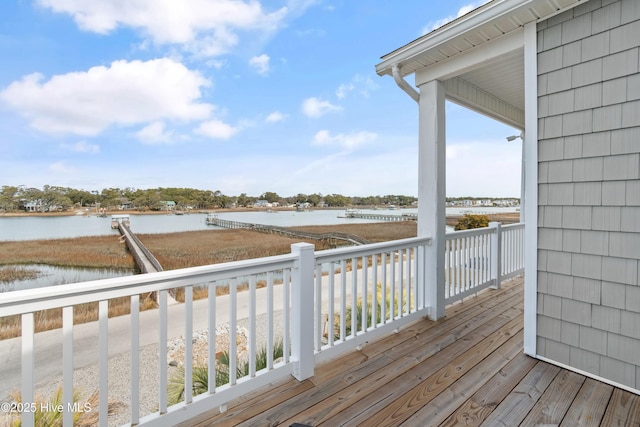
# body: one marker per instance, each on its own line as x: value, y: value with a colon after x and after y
x: 318, y: 304
x: 511, y: 250
x: 379, y: 295
x: 483, y: 257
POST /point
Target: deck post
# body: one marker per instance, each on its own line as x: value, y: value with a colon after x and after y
x: 431, y: 191
x: 302, y: 311
x: 496, y: 254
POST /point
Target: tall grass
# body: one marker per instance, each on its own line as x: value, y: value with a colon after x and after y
x: 12, y: 273
x: 92, y: 251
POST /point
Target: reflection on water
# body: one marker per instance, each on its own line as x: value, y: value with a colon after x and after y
x: 52, y: 276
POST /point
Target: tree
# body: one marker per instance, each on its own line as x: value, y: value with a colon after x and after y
x: 315, y: 199
x: 244, y: 200
x: 147, y: 200
x: 270, y: 197
x: 336, y: 200
x: 9, y: 198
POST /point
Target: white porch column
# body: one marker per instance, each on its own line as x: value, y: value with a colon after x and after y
x: 431, y: 191
x: 530, y: 154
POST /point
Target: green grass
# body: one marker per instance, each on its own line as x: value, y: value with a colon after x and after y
x: 200, y: 374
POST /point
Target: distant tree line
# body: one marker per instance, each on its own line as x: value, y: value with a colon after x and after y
x: 54, y: 198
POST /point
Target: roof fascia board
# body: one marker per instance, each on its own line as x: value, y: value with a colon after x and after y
x: 462, y: 25
x: 473, y: 58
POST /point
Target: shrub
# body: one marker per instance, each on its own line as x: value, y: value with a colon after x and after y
x: 200, y: 374
x: 470, y: 221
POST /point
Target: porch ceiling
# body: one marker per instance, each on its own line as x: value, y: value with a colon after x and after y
x: 498, y: 75
x: 503, y: 78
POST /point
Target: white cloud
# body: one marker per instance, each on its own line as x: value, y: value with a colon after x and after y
x: 260, y: 63
x: 362, y: 85
x: 60, y: 167
x: 344, y: 88
x: 347, y: 141
x: 275, y: 117
x: 216, y: 129
x: 314, y: 107
x: 82, y: 147
x: 208, y: 27
x: 154, y: 133
x: 462, y: 11
x: 124, y: 93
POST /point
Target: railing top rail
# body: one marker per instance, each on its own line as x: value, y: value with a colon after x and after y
x: 517, y: 225
x: 469, y: 233
x: 29, y: 300
x: 372, y: 248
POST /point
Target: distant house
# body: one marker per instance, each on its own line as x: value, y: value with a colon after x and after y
x: 167, y: 205
x: 567, y: 74
x: 34, y: 206
x: 125, y: 204
x: 262, y: 204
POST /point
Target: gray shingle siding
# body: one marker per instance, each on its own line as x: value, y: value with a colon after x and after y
x: 589, y: 189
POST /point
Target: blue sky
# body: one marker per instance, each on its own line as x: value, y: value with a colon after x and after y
x: 241, y: 96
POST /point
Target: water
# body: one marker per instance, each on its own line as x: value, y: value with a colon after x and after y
x: 59, y: 227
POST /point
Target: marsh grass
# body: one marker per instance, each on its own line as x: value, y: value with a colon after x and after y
x: 13, y: 273
x: 91, y: 251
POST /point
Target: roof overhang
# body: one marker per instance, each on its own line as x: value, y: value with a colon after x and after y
x: 478, y: 56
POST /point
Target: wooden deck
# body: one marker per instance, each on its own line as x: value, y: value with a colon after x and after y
x: 467, y: 369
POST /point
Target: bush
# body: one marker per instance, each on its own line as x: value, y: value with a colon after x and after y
x: 200, y: 374
x: 470, y: 221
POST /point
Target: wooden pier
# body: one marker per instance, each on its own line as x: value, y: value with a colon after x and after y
x: 332, y: 237
x: 353, y: 213
x: 145, y: 260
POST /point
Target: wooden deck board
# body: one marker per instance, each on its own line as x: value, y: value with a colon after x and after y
x: 447, y: 401
x: 483, y: 402
x: 623, y: 409
x: 465, y: 369
x: 550, y: 410
x: 589, y: 405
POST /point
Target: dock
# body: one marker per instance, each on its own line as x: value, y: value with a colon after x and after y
x: 145, y: 260
x: 332, y: 238
x: 354, y: 213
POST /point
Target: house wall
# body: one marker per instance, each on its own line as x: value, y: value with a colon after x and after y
x: 589, y: 189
